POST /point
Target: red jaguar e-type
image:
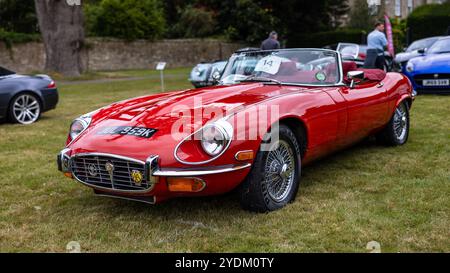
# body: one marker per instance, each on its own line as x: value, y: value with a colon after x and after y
x: 271, y: 113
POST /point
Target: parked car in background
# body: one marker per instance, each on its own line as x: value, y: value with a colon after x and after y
x: 24, y: 98
x: 308, y: 103
x: 358, y: 52
x: 203, y: 73
x: 416, y: 49
x: 207, y: 74
x: 431, y: 72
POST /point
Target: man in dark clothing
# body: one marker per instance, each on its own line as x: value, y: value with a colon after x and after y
x: 271, y: 42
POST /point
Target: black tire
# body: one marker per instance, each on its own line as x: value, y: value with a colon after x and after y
x: 255, y: 193
x: 392, y: 134
x: 29, y: 102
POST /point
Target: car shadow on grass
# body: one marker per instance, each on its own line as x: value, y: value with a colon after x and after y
x: 226, y: 204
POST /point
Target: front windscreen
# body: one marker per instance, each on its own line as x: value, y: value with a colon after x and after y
x: 299, y: 66
x: 441, y: 46
x: 421, y: 44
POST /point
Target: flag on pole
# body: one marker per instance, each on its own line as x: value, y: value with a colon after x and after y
x: 389, y: 35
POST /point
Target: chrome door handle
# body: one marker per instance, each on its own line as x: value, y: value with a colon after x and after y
x: 381, y: 84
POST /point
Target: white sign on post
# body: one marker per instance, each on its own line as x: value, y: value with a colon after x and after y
x: 161, y: 66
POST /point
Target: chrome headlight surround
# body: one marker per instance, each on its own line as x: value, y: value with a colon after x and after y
x: 222, y: 127
x: 216, y: 137
x: 79, y: 125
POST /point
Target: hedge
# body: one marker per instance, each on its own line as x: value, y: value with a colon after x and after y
x: 321, y: 39
x: 10, y: 38
x: 429, y: 20
x: 126, y: 19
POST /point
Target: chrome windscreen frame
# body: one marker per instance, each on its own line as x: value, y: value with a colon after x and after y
x: 339, y: 66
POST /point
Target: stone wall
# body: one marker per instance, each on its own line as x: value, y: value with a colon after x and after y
x: 113, y: 54
x: 27, y: 57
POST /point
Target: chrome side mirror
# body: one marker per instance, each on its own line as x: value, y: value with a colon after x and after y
x: 215, y: 76
x: 355, y: 77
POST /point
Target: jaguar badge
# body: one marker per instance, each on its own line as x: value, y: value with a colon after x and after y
x: 137, y: 177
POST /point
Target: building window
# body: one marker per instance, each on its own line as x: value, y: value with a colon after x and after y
x: 374, y: 6
x: 398, y: 8
x: 410, y: 6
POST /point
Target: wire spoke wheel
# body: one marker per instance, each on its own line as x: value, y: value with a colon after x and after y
x: 400, y: 122
x: 280, y: 171
x: 26, y: 109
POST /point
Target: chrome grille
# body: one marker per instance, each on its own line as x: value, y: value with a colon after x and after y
x: 93, y: 170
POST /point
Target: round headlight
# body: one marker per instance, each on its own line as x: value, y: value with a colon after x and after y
x: 214, y: 140
x: 410, y: 67
x: 77, y: 127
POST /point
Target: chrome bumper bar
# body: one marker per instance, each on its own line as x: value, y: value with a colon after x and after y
x: 152, y: 168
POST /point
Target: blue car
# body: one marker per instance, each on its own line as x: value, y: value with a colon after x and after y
x: 431, y: 72
x: 414, y: 50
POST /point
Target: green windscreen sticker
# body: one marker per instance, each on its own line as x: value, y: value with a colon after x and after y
x: 320, y: 76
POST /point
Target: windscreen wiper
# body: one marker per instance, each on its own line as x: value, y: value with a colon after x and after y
x: 261, y: 79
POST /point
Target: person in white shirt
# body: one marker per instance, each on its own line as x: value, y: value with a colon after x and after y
x: 376, y: 42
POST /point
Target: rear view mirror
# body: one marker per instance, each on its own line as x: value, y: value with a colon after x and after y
x: 355, y: 77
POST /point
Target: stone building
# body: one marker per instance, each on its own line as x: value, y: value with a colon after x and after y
x: 398, y: 8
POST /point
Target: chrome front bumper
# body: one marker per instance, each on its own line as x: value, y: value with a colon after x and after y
x: 152, y: 168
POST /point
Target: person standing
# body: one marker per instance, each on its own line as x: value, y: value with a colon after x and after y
x: 376, y: 42
x: 271, y: 42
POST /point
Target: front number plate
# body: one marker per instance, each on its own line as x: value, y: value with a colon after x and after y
x: 438, y: 82
x: 128, y: 131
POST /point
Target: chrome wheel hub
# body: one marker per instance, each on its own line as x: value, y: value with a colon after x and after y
x: 26, y: 109
x: 400, y: 122
x: 280, y: 171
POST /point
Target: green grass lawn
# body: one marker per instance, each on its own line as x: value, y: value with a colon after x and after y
x: 399, y: 197
x: 119, y: 74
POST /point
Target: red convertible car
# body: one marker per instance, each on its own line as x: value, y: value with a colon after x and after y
x: 272, y: 113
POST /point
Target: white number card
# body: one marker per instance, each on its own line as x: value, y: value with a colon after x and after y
x: 269, y: 64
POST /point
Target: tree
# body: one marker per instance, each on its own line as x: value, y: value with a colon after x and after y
x: 18, y: 16
x: 194, y: 23
x: 61, y: 26
x: 259, y: 21
x: 299, y: 18
x: 359, y: 16
x: 127, y: 19
x: 336, y: 10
